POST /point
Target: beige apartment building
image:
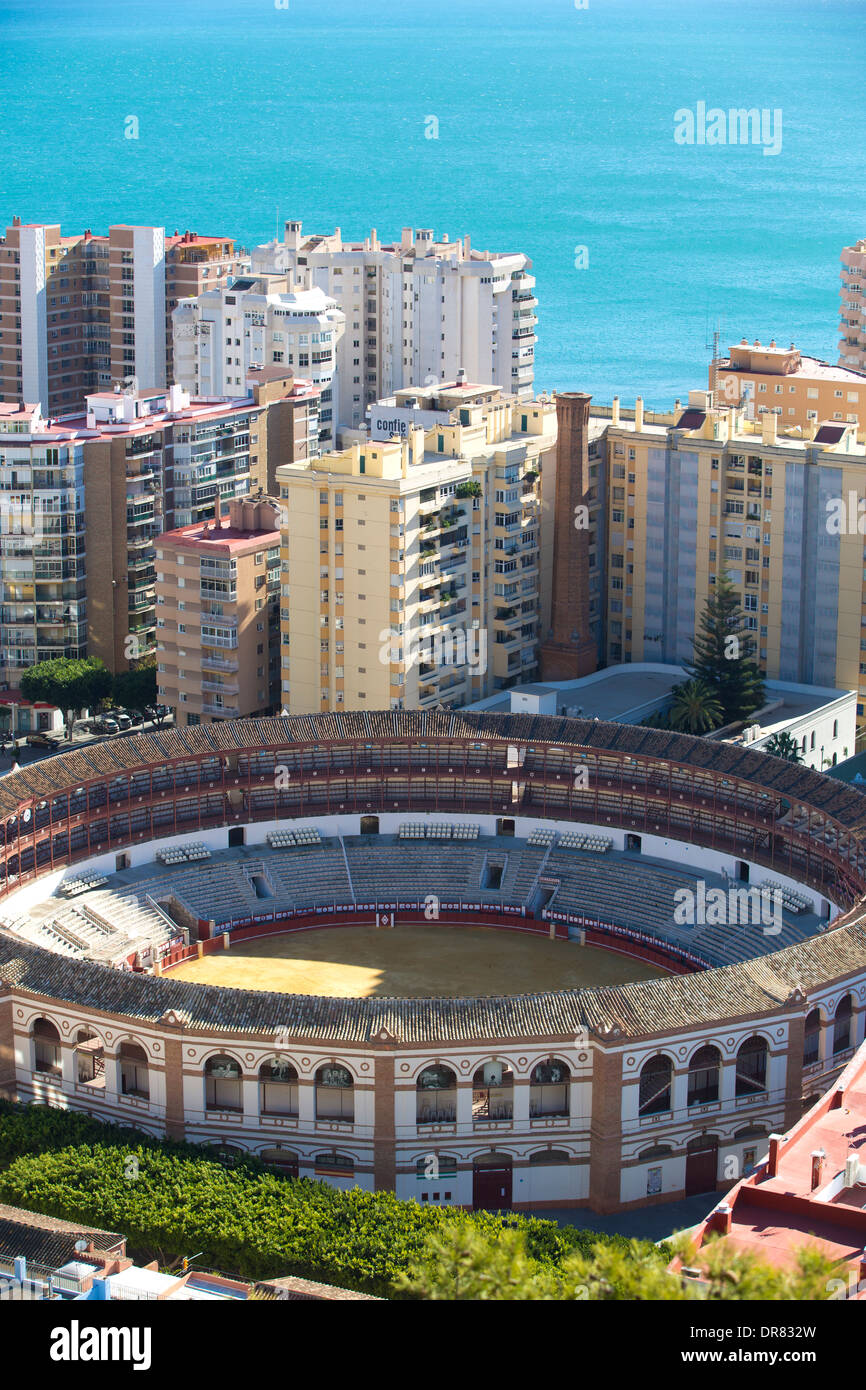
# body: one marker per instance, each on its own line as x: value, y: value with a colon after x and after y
x: 417, y: 564
x: 799, y: 390
x: 678, y: 497
x: 84, y: 313
x: 217, y: 587
x: 852, y: 311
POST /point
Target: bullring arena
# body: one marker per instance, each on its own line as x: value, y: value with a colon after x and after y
x: 440, y: 953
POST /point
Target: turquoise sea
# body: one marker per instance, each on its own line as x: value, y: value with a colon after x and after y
x: 555, y: 132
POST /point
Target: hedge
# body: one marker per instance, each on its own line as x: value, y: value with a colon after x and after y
x: 177, y: 1199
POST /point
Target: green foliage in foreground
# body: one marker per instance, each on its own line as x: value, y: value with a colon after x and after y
x: 463, y: 1263
x: 177, y: 1199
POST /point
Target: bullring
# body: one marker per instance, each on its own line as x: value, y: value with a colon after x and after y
x: 604, y: 1096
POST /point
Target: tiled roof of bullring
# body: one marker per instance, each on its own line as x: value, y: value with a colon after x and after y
x: 775, y: 775
x: 645, y: 1008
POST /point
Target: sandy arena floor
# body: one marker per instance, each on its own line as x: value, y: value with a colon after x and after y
x: 412, y: 961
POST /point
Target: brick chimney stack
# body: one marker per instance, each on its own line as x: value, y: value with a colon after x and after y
x: 570, y: 650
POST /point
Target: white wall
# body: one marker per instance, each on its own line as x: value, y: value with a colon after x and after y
x: 34, y: 334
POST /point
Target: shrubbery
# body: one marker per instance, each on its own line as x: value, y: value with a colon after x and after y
x: 177, y: 1199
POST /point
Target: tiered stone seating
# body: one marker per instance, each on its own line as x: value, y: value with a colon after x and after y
x: 387, y: 870
x: 110, y: 922
x: 307, y: 878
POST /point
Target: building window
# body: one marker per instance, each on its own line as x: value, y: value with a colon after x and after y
x: 842, y: 1025
x: 436, y: 1096
x: 222, y: 1084
x: 752, y: 1067
x: 655, y: 1086
x: 549, y: 1088
x: 704, y: 1076
x: 278, y: 1087
x: 492, y: 1092
x: 335, y: 1093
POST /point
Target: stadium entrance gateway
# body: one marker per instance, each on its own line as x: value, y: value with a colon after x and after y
x: 491, y: 1182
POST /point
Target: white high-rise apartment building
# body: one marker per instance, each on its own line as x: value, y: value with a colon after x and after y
x: 417, y: 311
x: 259, y: 321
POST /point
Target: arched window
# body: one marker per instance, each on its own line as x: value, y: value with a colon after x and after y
x: 222, y: 1084
x: 655, y: 1151
x: 655, y: 1086
x: 812, y: 1038
x: 278, y: 1087
x: 283, y: 1160
x: 549, y: 1088
x: 492, y: 1093
x: 335, y: 1093
x: 548, y: 1158
x: 46, y: 1048
x: 432, y: 1167
x: 89, y: 1059
x: 752, y: 1067
x: 842, y: 1025
x: 134, y: 1076
x: 704, y: 1076
x: 436, y: 1096
x: 341, y: 1165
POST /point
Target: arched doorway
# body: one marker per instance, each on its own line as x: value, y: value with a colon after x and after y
x: 491, y: 1182
x: 702, y: 1164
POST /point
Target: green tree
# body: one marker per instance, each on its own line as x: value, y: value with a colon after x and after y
x: 72, y: 685
x: 784, y: 745
x: 696, y: 708
x: 135, y: 688
x: 724, y: 652
x: 464, y: 1263
x: 471, y: 488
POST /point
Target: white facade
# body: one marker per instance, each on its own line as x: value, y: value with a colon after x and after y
x: 149, y: 270
x: 34, y: 316
x: 259, y: 322
x: 417, y: 311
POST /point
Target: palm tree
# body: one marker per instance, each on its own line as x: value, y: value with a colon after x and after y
x: 784, y: 745
x: 696, y: 708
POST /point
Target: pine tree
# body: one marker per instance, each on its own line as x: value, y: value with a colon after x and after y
x: 724, y: 656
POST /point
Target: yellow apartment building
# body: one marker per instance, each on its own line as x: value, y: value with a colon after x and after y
x: 415, y: 570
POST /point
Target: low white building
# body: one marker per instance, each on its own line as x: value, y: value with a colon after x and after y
x: 821, y: 720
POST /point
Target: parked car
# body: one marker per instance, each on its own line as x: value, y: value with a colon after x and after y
x: 106, y: 725
x: 157, y: 711
x: 120, y: 717
x: 135, y: 717
x: 42, y: 740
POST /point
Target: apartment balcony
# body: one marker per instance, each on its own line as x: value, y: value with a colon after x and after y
x: 221, y: 711
x: 141, y: 516
x: 220, y: 687
x: 514, y: 618
x: 216, y: 663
